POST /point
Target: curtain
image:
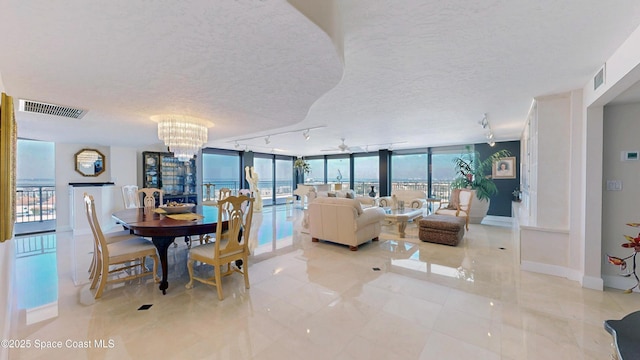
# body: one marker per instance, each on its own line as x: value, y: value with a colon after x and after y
x: 8, y: 143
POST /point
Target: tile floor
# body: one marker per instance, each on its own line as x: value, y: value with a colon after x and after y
x: 319, y: 301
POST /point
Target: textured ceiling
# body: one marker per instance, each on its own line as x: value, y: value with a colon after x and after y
x: 412, y: 73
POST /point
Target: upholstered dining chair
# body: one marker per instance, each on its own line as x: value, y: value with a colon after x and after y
x: 130, y: 196
x: 125, y: 257
x: 149, y: 199
x: 231, y: 244
x: 459, y: 205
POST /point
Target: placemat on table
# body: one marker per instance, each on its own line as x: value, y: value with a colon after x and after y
x: 185, y: 216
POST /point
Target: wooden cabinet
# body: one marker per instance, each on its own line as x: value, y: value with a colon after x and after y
x: 176, y: 178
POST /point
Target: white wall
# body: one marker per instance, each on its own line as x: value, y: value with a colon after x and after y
x: 553, y: 155
x: 620, y: 133
x: 622, y: 71
x: 122, y: 167
x: 66, y: 173
x: 544, y: 225
x: 124, y: 171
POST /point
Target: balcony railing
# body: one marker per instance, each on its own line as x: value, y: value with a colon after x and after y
x: 35, y: 203
x: 284, y: 188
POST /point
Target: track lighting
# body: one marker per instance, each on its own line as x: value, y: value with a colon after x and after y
x: 267, y: 138
x: 485, y: 125
x: 484, y: 122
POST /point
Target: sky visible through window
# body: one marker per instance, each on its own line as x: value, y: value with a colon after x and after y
x: 35, y: 163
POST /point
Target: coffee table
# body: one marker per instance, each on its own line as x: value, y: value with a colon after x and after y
x: 402, y: 217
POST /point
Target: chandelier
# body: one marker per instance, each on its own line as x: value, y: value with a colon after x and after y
x: 184, y: 135
x: 87, y: 159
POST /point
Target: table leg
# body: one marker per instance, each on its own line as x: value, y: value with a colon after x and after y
x: 162, y: 244
x: 402, y: 226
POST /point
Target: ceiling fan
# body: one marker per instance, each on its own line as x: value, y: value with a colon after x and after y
x: 344, y: 148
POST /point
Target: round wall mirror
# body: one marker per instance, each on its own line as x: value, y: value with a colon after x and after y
x: 90, y: 162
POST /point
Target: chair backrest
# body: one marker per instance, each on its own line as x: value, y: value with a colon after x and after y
x: 100, y: 243
x: 238, y: 211
x: 464, y: 200
x: 130, y: 196
x: 208, y: 193
x: 224, y: 193
x: 149, y: 199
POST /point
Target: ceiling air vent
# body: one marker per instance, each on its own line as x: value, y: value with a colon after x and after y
x: 51, y: 109
x: 599, y: 78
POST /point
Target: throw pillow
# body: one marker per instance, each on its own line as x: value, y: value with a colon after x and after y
x: 454, y: 200
x: 349, y: 194
x: 331, y: 194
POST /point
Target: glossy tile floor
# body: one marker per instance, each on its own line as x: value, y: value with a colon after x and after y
x: 390, y: 299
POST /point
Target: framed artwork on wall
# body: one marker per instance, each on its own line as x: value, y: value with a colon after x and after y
x: 504, y: 168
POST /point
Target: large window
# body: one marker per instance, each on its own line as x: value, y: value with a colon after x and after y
x: 274, y: 190
x: 284, y: 179
x: 35, y: 186
x: 338, y: 170
x: 365, y: 174
x: 264, y: 168
x: 222, y: 170
x: 409, y: 171
x: 316, y: 175
x: 442, y: 171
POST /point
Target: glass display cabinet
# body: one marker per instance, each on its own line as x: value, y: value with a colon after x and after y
x: 176, y: 178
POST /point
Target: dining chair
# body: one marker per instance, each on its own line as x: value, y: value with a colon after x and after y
x: 125, y: 258
x: 113, y: 237
x: 224, y: 193
x: 130, y: 196
x: 231, y: 244
x: 459, y: 205
x: 149, y: 199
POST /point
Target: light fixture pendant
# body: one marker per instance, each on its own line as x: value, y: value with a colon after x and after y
x: 184, y: 135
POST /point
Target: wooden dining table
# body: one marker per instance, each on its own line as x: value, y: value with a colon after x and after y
x: 163, y: 230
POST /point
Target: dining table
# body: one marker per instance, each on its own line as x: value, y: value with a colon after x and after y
x: 163, y: 228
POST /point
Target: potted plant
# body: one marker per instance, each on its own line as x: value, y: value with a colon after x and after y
x: 475, y: 173
x: 302, y: 166
x: 634, y: 244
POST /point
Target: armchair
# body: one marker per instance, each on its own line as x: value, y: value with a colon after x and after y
x: 459, y: 205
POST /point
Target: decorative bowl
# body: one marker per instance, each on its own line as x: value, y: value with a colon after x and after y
x: 178, y: 208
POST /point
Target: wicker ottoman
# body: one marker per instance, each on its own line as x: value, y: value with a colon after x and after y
x: 441, y: 229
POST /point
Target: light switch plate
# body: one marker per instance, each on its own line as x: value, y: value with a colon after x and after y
x: 614, y: 185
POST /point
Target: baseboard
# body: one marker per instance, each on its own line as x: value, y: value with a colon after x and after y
x: 619, y: 282
x: 41, y: 313
x: 591, y: 282
x: 64, y: 229
x: 498, y: 220
x: 554, y: 270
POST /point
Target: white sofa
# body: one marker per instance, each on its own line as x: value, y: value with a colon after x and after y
x: 365, y: 201
x: 343, y: 221
x: 412, y: 198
